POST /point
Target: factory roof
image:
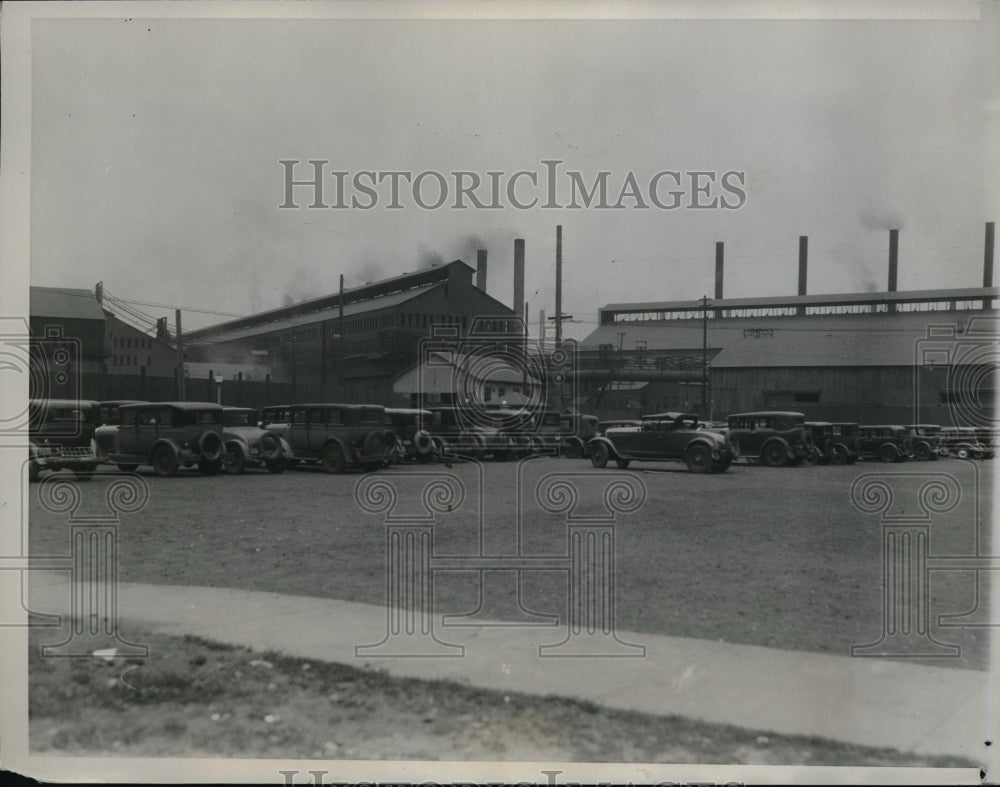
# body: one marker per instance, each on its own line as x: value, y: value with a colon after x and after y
x: 367, y: 297
x: 226, y: 333
x: 65, y: 302
x: 831, y: 299
x: 798, y: 340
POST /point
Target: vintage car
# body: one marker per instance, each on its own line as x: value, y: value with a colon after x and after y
x: 672, y: 437
x: 248, y: 445
x: 164, y: 435
x: 926, y: 441
x: 988, y: 438
x: 834, y: 444
x: 963, y: 442
x: 776, y: 438
x: 61, y: 435
x: 110, y: 412
x: 411, y: 440
x: 338, y: 436
x: 577, y: 430
x: 275, y: 414
x: 885, y: 443
x: 552, y: 432
x: 454, y: 436
x: 603, y: 426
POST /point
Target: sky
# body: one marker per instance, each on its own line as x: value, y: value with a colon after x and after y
x: 155, y: 150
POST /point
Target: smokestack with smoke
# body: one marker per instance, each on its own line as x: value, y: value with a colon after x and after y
x: 481, y: 269
x: 519, y: 277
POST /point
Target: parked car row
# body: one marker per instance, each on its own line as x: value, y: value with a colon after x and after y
x: 167, y: 436
x: 778, y: 439
x: 81, y: 435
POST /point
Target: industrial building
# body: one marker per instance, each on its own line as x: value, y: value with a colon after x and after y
x: 349, y: 346
x: 870, y: 357
x: 78, y: 340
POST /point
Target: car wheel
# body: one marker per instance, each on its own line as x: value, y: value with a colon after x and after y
x: 276, y: 466
x: 623, y: 463
x: 333, y: 459
x: 210, y: 468
x: 572, y: 448
x: 922, y: 452
x: 839, y: 456
x: 888, y: 453
x: 774, y: 455
x: 813, y: 457
x: 128, y: 468
x: 234, y: 462
x: 722, y: 465
x: 374, y: 443
x: 164, y: 462
x: 962, y: 453
x: 599, y: 455
x: 698, y: 459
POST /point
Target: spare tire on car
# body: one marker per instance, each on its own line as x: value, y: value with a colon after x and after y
x: 270, y: 447
x: 423, y: 443
x: 210, y: 446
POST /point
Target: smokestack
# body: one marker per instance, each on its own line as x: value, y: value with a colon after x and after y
x: 893, y: 264
x: 541, y: 327
x: 559, y: 312
x: 803, y: 268
x: 519, y: 277
x: 481, y: 270
x: 719, y: 256
x: 988, y: 262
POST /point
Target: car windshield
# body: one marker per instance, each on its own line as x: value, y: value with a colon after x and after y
x: 238, y: 418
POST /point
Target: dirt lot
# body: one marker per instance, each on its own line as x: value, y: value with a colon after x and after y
x: 775, y: 557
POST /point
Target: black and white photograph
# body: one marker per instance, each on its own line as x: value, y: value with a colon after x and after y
x: 467, y: 392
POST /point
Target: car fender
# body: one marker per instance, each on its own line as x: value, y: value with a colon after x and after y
x: 847, y: 449
x: 612, y: 451
x: 711, y: 445
x: 164, y: 441
x: 240, y: 445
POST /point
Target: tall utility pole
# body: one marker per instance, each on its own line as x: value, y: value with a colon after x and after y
x: 340, y: 342
x: 704, y: 356
x: 559, y: 314
x: 180, y: 358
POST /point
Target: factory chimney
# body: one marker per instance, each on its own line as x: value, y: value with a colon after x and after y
x: 893, y: 264
x: 803, y: 268
x: 519, y: 277
x: 988, y: 262
x: 481, y: 270
x: 720, y: 252
x: 719, y: 257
